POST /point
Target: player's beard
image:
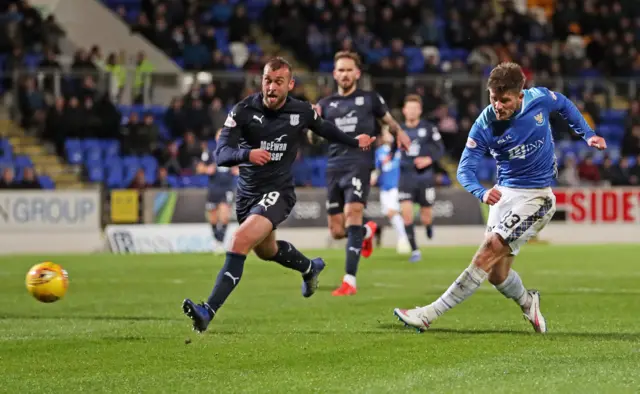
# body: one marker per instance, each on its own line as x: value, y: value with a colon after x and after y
x: 273, y: 101
x: 346, y: 86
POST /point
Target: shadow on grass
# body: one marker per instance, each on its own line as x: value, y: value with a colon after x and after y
x: 601, y: 336
x: 81, y: 317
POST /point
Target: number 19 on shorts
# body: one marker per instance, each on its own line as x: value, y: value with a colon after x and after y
x: 269, y: 199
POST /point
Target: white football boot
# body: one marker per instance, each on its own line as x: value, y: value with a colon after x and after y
x: 416, y: 318
x: 403, y: 246
x: 533, y: 314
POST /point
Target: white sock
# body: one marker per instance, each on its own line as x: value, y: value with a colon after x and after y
x: 367, y: 232
x: 398, y: 225
x: 350, y: 279
x: 463, y: 287
x: 513, y: 288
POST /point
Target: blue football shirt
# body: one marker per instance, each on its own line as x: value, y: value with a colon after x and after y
x: 522, y: 145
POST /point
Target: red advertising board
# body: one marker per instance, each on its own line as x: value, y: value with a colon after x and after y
x: 614, y: 205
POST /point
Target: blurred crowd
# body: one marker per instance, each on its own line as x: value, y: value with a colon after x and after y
x: 438, y: 49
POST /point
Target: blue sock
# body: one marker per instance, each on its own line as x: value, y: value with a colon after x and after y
x: 227, y: 279
x: 290, y: 257
x: 429, y: 231
x: 411, y: 236
x: 355, y: 234
x: 219, y: 232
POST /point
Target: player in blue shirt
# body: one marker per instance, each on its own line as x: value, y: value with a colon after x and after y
x: 220, y: 194
x: 386, y: 176
x: 515, y: 130
x: 417, y: 179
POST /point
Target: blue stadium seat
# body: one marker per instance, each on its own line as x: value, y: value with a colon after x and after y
x: 114, y: 175
x: 131, y: 161
x: 613, y: 116
x: 6, y: 150
x: 90, y: 143
x: 95, y: 173
x: 93, y: 154
x: 74, y: 151
x: 111, y: 148
x: 150, y: 166
x: 113, y: 161
x: 23, y: 161
x: 46, y: 182
x: 173, y: 181
x: 6, y: 162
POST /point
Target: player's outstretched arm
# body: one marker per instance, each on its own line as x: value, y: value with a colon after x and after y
x: 473, y: 153
x: 403, y: 140
x: 568, y: 110
x: 228, y: 154
x: 332, y: 133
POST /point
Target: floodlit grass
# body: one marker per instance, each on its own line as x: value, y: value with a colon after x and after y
x: 121, y: 329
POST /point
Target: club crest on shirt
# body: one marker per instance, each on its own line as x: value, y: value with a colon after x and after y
x: 471, y: 143
x: 539, y: 119
x: 294, y: 119
x: 359, y: 100
x: 230, y: 122
x: 422, y: 132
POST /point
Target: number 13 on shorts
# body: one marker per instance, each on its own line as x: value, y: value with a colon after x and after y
x: 520, y: 215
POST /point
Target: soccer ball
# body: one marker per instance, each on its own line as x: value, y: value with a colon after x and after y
x: 47, y: 282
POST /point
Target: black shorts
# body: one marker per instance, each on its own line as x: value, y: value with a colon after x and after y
x: 217, y: 196
x: 417, y: 190
x: 275, y: 206
x: 346, y: 186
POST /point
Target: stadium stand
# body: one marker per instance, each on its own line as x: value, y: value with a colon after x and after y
x: 440, y: 49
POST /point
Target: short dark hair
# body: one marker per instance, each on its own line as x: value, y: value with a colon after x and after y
x: 413, y: 97
x: 277, y: 63
x: 506, y: 77
x: 348, y: 55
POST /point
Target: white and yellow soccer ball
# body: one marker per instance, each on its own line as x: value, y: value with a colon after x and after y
x: 47, y: 282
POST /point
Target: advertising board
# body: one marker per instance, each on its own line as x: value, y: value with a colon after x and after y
x: 162, y: 238
x: 50, y: 221
x: 452, y: 207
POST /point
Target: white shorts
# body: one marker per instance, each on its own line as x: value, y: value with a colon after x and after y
x: 389, y: 201
x: 521, y: 214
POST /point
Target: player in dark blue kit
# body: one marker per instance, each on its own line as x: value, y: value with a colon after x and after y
x: 222, y: 185
x: 355, y: 112
x: 417, y: 176
x: 262, y: 134
x: 515, y: 129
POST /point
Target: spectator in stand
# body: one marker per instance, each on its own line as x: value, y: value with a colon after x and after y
x: 189, y: 153
x: 616, y: 175
x: 217, y: 114
x: 143, y: 72
x: 55, y: 125
x: 7, y: 181
x: 175, y: 118
x: 29, y: 179
x: 162, y: 179
x: 145, y: 137
x: 139, y: 181
x: 568, y: 175
x: 50, y: 65
x: 170, y: 159
x: 588, y: 171
x: 32, y: 104
x: 117, y: 73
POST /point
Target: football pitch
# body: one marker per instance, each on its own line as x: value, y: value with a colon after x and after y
x: 120, y: 327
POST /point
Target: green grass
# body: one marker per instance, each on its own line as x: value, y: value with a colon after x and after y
x: 121, y: 329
